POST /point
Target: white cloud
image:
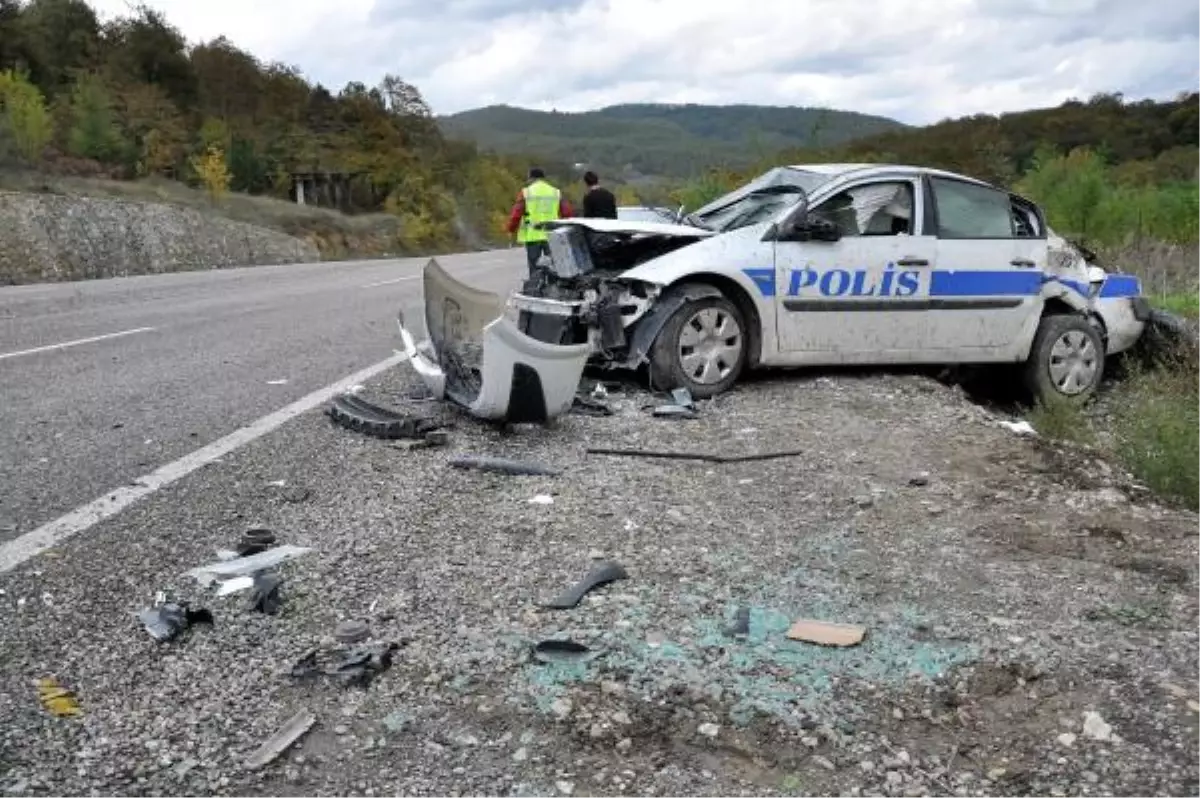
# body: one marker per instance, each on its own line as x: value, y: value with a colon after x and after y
x: 918, y: 61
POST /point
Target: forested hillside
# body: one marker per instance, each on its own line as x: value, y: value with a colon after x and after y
x: 1141, y: 145
x: 1161, y: 137
x: 130, y: 99
x: 661, y: 140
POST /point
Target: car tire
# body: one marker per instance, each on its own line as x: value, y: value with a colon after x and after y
x: 688, y: 352
x: 1066, y: 361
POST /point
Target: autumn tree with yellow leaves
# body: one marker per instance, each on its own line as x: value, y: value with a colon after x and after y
x: 24, y: 119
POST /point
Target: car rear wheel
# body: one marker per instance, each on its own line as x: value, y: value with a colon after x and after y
x: 702, y: 347
x: 1066, y: 360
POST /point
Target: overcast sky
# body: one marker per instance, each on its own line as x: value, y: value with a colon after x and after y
x: 913, y: 60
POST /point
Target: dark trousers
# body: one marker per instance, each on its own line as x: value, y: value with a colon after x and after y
x: 533, y: 251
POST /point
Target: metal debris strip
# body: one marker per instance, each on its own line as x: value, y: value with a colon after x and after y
x: 246, y: 566
x: 602, y: 574
x: 683, y: 406
x: 701, y: 456
x: 287, y: 735
x: 501, y: 465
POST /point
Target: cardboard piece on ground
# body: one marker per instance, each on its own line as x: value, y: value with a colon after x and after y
x: 827, y: 634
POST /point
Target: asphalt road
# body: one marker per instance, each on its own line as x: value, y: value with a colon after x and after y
x: 169, y: 363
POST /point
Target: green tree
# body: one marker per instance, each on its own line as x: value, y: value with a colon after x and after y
x: 146, y: 48
x: 229, y: 84
x: 59, y: 38
x: 24, y: 115
x: 1070, y: 187
x: 153, y: 126
x: 94, y: 132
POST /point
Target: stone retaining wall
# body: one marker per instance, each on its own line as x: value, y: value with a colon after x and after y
x: 50, y: 238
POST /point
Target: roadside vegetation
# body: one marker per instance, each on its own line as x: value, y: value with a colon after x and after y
x: 129, y: 108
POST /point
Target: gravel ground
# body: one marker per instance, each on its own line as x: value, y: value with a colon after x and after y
x: 1031, y: 614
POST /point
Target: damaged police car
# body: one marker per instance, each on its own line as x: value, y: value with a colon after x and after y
x: 828, y: 264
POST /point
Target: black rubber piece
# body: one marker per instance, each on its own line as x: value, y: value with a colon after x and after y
x: 602, y: 574
x: 586, y: 406
x: 264, y: 595
x: 500, y: 465
x: 306, y: 666
x: 741, y: 623
x: 255, y: 541
x: 702, y: 456
x: 166, y: 621
x: 612, y: 330
x: 551, y: 651
x: 362, y: 416
x: 526, y: 398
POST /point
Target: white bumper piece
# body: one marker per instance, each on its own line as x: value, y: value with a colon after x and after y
x: 478, y: 359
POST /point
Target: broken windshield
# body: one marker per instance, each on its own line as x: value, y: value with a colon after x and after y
x: 758, y: 200
x: 752, y: 208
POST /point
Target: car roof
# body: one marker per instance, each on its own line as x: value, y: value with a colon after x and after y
x: 837, y: 170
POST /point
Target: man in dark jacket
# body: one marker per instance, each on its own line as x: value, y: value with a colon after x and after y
x: 598, y: 202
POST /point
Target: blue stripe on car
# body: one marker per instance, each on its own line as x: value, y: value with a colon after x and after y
x: 988, y: 283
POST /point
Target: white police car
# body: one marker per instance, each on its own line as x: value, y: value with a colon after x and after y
x: 825, y: 264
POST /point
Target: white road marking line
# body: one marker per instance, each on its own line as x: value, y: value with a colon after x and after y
x: 32, y: 543
x: 64, y: 345
x: 390, y: 282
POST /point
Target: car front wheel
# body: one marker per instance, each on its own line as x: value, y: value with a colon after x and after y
x: 702, y: 347
x: 1066, y: 360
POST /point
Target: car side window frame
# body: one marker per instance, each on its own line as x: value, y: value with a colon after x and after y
x: 1019, y: 203
x: 931, y: 190
x: 917, y: 193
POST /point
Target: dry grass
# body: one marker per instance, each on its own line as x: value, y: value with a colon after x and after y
x: 1166, y: 269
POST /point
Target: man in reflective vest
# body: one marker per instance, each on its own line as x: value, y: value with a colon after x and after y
x: 538, y: 202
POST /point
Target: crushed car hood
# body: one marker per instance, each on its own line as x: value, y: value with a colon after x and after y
x: 619, y: 226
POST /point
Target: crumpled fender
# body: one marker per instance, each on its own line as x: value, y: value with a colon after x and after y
x: 478, y: 359
x: 651, y: 324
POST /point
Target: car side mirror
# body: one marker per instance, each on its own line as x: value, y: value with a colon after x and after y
x: 811, y: 227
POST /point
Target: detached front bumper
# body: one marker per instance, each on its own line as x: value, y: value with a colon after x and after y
x: 478, y: 359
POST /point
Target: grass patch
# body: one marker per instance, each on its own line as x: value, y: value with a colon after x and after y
x: 1183, y: 304
x: 1061, y: 419
x: 1156, y: 425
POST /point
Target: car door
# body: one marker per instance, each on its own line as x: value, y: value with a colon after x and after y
x: 859, y: 298
x: 991, y: 254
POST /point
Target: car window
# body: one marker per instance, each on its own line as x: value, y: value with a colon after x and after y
x: 871, y: 209
x: 967, y: 210
x: 1026, y: 221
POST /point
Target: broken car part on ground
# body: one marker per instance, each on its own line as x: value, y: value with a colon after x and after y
x: 820, y: 264
x: 478, y: 359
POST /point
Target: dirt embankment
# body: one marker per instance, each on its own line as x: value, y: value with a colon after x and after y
x: 53, y: 237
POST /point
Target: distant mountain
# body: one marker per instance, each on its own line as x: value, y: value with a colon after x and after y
x: 661, y: 139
